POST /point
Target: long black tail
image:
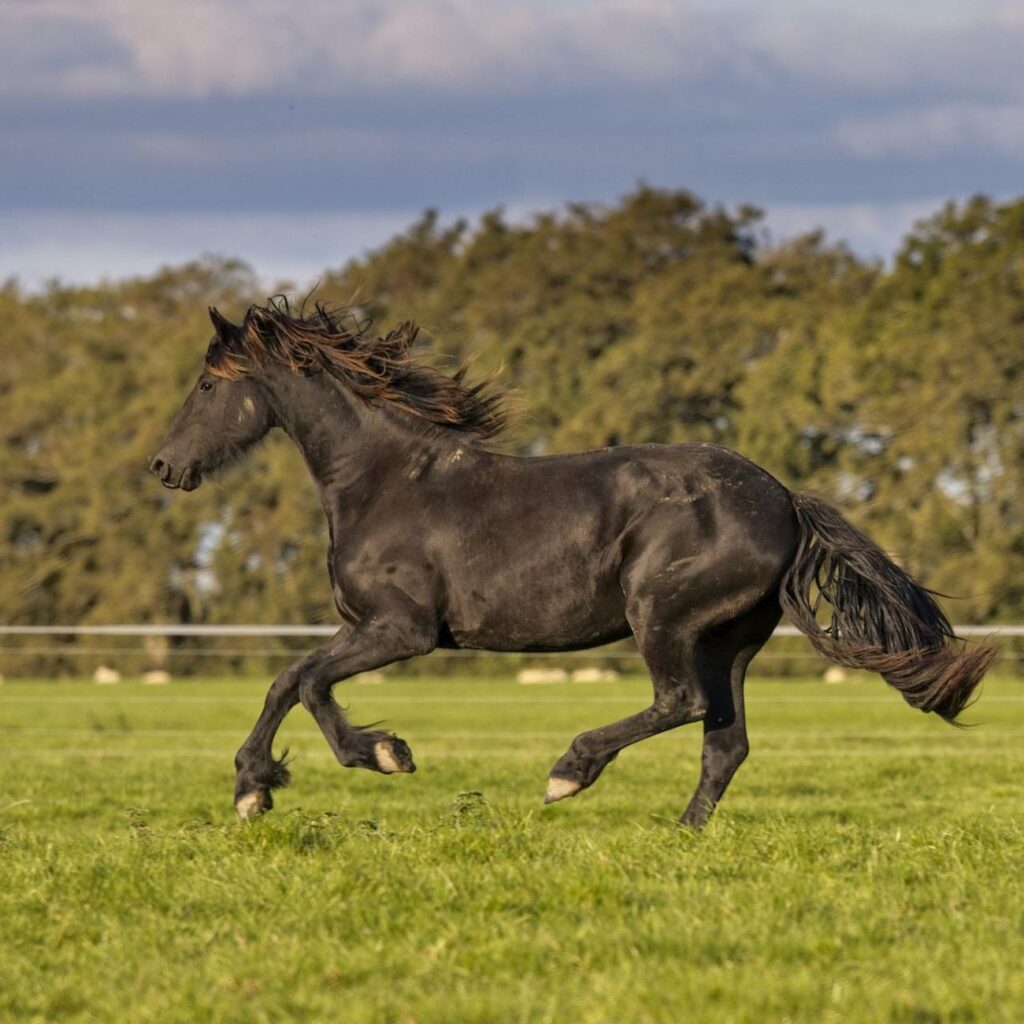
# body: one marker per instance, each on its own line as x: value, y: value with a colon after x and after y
x: 881, y: 619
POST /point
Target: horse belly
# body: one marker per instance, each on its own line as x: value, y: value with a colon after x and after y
x: 539, y: 607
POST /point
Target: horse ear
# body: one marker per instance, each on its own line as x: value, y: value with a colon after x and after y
x: 225, y: 328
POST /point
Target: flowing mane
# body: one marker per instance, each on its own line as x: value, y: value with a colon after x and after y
x: 374, y: 368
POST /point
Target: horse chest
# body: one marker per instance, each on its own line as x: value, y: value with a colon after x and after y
x: 363, y: 573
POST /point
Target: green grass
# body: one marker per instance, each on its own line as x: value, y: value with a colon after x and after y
x: 866, y: 865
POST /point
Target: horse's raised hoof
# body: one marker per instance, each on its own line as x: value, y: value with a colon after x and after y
x: 393, y: 755
x: 559, y: 788
x: 253, y: 804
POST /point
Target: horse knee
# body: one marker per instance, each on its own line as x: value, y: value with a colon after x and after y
x: 314, y: 688
x: 284, y: 687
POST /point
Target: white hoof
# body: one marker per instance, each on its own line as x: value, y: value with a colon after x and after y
x: 252, y: 805
x: 386, y: 760
x: 559, y: 789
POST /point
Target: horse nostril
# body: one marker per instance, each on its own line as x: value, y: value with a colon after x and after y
x: 156, y: 465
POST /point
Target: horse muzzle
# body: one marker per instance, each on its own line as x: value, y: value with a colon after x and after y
x: 188, y: 479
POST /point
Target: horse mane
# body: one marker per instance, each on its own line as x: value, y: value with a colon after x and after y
x: 377, y: 369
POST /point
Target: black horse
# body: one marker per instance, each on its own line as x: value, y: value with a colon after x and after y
x: 439, y: 541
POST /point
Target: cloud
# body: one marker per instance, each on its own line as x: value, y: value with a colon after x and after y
x: 197, y: 48
x: 295, y: 109
x: 935, y: 131
x: 976, y: 54
x: 203, y: 48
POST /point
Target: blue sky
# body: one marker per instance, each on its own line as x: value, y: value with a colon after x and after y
x: 296, y: 133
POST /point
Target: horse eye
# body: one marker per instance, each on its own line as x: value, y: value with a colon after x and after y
x: 206, y: 385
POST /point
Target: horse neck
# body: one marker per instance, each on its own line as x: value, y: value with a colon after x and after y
x: 348, y: 444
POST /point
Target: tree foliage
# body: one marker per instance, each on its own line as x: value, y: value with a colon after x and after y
x: 895, y: 392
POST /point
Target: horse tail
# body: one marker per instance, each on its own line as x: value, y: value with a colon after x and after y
x: 882, y: 619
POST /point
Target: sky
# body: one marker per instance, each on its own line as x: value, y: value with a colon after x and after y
x: 296, y: 134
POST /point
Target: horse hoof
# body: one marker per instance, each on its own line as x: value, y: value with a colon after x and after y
x: 253, y: 804
x: 559, y: 788
x: 393, y: 755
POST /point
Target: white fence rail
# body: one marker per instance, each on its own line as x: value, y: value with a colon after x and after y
x: 19, y: 644
x: 27, y: 642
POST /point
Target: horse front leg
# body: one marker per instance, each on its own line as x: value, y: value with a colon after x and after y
x: 379, y: 639
x: 257, y: 771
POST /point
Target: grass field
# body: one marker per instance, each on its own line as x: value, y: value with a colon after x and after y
x: 866, y: 865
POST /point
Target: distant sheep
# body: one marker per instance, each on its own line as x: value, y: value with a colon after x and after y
x: 530, y: 676
x: 594, y: 675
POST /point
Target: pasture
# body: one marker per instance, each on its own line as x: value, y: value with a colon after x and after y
x: 865, y: 865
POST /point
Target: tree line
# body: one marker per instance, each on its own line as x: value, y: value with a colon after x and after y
x: 891, y: 389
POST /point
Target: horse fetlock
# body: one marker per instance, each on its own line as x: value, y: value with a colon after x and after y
x: 264, y: 772
x: 280, y: 776
x: 697, y: 814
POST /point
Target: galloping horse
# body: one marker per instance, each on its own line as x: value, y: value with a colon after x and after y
x: 436, y: 540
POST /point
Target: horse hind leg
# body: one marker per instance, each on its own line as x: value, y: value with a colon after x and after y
x: 679, y: 698
x: 725, y: 745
